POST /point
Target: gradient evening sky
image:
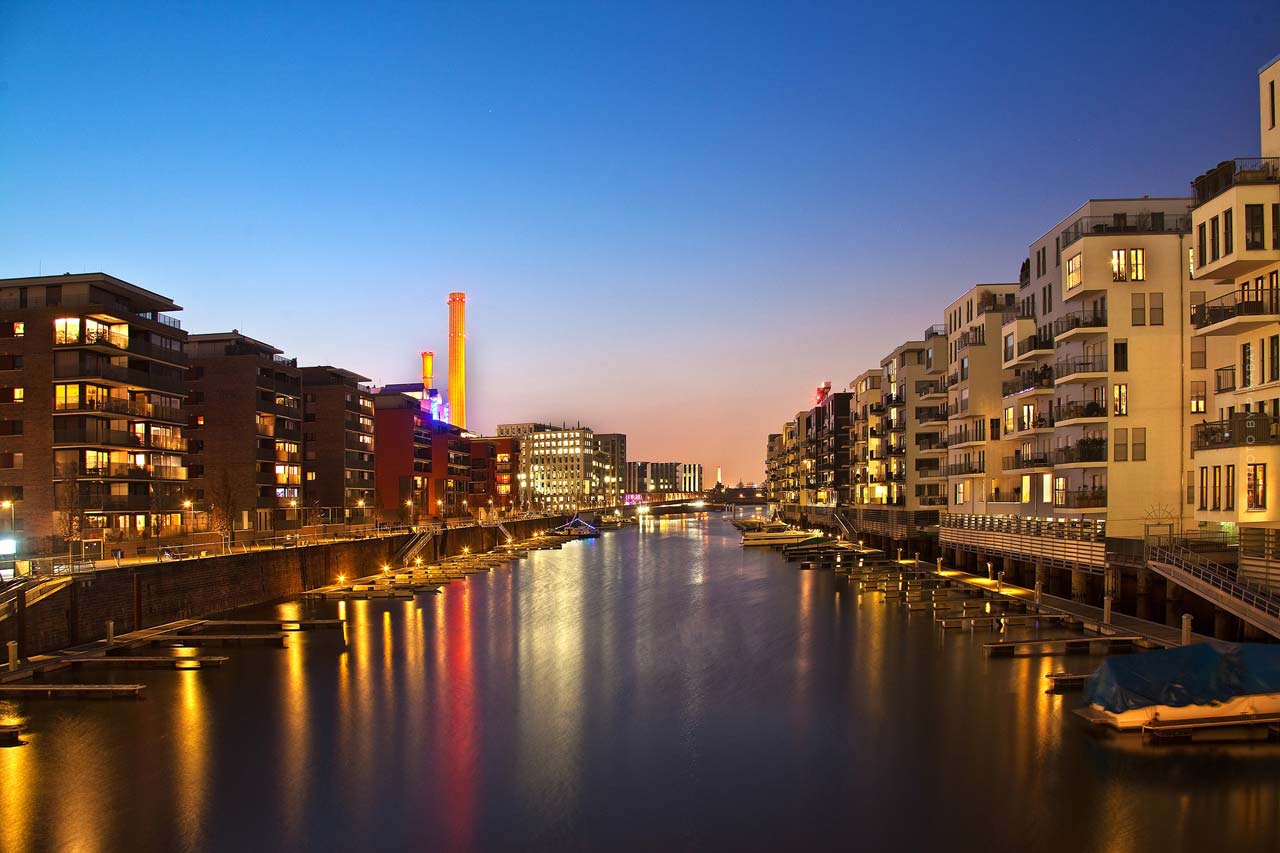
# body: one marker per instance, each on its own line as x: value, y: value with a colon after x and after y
x: 672, y: 221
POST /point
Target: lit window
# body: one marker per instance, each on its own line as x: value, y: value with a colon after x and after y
x: 1137, y: 264
x: 66, y: 330
x: 1256, y: 487
x: 1120, y: 399
x: 1119, y: 269
x: 1074, y: 271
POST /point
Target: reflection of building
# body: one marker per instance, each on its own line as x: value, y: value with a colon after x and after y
x: 243, y: 428
x: 91, y: 388
x: 338, y: 442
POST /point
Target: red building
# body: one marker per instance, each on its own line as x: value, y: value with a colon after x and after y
x: 422, y: 467
x: 495, y: 464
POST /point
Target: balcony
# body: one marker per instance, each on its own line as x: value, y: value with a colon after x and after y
x: 930, y: 388
x: 1079, y: 324
x: 1224, y: 379
x: 1086, y: 451
x: 931, y: 414
x: 1235, y: 312
x: 962, y: 469
x: 1086, y: 369
x: 1147, y: 222
x: 1034, y: 345
x: 122, y: 375
x: 894, y: 400
x: 120, y: 471
x: 1242, y: 430
x: 896, y: 426
x: 1095, y: 498
x: 934, y: 446
x: 966, y: 436
x: 1039, y: 422
x: 1234, y: 173
x: 896, y: 450
x: 1037, y: 381
x: 937, y: 330
x: 1075, y: 410
x: 1029, y: 460
x: 975, y: 336
x: 1014, y: 313
x: 116, y: 405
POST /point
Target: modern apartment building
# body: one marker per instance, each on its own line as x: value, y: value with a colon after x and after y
x: 495, y: 466
x: 1235, y: 320
x: 975, y: 477
x: 831, y: 444
x: 612, y: 450
x: 244, y: 410
x: 423, y: 467
x: 91, y: 420
x: 867, y: 482
x: 690, y: 478
x: 560, y: 470
x: 338, y: 441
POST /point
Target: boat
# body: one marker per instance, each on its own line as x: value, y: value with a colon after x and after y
x: 776, y: 537
x: 1210, y: 683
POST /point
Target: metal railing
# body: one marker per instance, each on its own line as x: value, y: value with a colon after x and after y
x: 1238, y: 303
x: 1080, y: 498
x: 1224, y: 379
x: 1084, y: 450
x: 1241, y: 430
x: 1230, y: 173
x: 1216, y: 575
x: 1096, y: 319
x: 1089, y: 364
x: 1083, y: 530
x: 1143, y: 222
x: 1028, y: 381
x: 972, y: 466
x: 1078, y: 409
x: 1032, y: 459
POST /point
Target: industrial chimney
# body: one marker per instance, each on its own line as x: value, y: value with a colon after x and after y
x: 428, y: 372
x: 458, y: 358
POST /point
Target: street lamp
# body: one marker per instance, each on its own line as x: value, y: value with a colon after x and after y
x: 409, y: 504
x: 191, y: 520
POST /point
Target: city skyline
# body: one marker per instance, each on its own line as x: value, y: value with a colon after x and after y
x: 658, y: 168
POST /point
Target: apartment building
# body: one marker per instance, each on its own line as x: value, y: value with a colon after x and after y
x: 975, y: 476
x: 91, y: 420
x: 495, y: 465
x: 773, y: 467
x: 338, y: 443
x: 866, y: 452
x: 422, y: 466
x: 831, y: 443
x: 690, y: 478
x: 612, y: 450
x: 244, y: 410
x: 1235, y: 320
x: 560, y: 470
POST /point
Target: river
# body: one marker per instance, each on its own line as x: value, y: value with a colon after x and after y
x: 658, y: 688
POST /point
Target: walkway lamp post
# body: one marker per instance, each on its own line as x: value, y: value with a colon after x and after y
x: 191, y: 520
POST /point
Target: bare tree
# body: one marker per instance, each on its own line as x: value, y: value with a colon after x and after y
x: 70, y: 513
x: 223, y: 509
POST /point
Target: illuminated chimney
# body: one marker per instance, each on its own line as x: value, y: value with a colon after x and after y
x: 458, y: 358
x: 428, y: 372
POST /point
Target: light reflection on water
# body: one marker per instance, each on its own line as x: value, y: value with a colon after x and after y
x: 658, y: 687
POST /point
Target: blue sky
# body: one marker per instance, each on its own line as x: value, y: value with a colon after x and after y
x: 671, y: 220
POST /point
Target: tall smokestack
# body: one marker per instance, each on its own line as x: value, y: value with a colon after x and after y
x: 458, y: 358
x: 428, y: 371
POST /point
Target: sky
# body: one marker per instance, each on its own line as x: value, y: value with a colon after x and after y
x: 670, y: 220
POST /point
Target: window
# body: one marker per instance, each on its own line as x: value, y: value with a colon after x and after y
x: 1204, y: 488
x: 1199, y: 393
x: 1120, y: 351
x: 1139, y: 302
x: 1275, y: 231
x: 1246, y: 365
x: 1214, y: 246
x: 1191, y: 261
x: 1074, y: 272
x: 1120, y: 399
x: 1273, y: 359
x: 1057, y: 251
x: 1228, y: 231
x: 1139, y: 444
x: 1271, y: 95
x: 1254, y: 235
x: 1137, y: 264
x: 1008, y: 347
x: 960, y: 491
x: 66, y: 330
x: 1191, y: 488
x: 1119, y: 268
x: 1256, y: 487
x: 1157, y: 309
x: 1121, y: 445
x: 1231, y: 488
x: 1201, y: 252
x: 1217, y: 488
x: 1199, y: 350
x: 1010, y: 422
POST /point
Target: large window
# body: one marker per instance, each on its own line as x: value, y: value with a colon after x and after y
x: 66, y: 330
x: 1199, y: 393
x: 1254, y: 233
x: 1228, y: 231
x: 1139, y: 450
x: 1137, y: 264
x: 1217, y: 488
x: 1119, y: 269
x: 1231, y: 488
x: 1120, y: 445
x: 1120, y: 399
x: 1139, y: 314
x: 1215, y: 248
x: 1204, y: 488
x: 1202, y: 248
x: 1157, y: 309
x: 1246, y: 365
x: 1256, y: 487
x: 1120, y: 353
x: 1074, y: 272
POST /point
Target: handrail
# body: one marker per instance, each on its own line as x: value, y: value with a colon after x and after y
x: 1215, y: 575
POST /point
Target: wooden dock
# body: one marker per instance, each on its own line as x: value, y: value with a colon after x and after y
x: 197, y: 639
x: 1102, y: 644
x: 71, y: 691
x: 148, y: 662
x: 1184, y: 730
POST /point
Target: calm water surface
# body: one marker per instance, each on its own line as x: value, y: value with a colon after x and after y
x: 656, y: 688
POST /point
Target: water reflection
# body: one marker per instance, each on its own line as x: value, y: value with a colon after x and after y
x: 654, y: 688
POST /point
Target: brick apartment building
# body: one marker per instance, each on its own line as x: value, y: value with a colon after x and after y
x: 338, y: 444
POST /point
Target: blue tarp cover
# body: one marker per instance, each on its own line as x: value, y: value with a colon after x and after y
x: 1187, y: 675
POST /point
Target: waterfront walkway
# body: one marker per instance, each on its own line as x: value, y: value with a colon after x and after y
x: 1163, y: 636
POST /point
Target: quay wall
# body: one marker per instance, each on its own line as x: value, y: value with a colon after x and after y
x: 151, y: 594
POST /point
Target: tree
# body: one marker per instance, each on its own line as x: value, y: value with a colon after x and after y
x: 70, y: 513
x: 223, y: 509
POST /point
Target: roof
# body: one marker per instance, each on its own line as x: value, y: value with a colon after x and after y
x: 339, y: 371
x: 158, y: 301
x: 232, y: 336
